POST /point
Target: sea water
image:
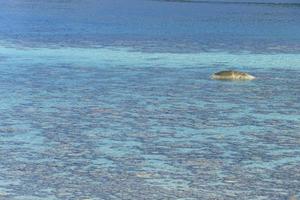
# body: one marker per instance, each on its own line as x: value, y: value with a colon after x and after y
x: 113, y: 100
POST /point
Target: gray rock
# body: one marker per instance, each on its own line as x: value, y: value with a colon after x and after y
x: 232, y: 75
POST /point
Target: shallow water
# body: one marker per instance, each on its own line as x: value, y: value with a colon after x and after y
x: 137, y: 118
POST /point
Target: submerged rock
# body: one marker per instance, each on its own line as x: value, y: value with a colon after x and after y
x: 232, y: 75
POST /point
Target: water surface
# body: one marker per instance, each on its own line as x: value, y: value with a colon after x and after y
x: 113, y: 100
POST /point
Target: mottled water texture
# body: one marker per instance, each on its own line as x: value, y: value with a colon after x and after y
x: 121, y: 132
x: 83, y: 118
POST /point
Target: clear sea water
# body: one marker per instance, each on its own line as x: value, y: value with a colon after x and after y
x: 112, y: 99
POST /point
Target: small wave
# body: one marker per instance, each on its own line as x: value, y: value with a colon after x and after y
x: 274, y: 3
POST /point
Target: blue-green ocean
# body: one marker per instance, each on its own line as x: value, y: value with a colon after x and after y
x: 112, y: 99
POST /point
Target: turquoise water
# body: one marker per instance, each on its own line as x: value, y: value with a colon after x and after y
x: 99, y: 104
